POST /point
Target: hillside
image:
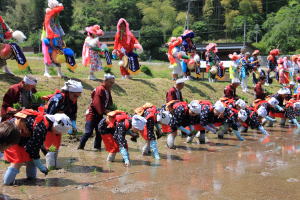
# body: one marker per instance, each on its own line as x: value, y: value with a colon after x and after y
x: 127, y: 94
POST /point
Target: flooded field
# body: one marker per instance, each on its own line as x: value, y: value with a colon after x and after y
x: 259, y: 168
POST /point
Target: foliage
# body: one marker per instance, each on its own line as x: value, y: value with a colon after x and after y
x: 52, y: 148
x: 146, y: 70
x: 107, y: 70
x: 178, y: 31
x: 282, y: 24
x: 151, y: 40
x: 159, y: 13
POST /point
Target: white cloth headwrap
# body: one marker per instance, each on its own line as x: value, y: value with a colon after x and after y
x: 273, y: 101
x: 284, y: 91
x: 241, y: 103
x: 164, y: 117
x: 195, y: 107
x: 242, y: 115
x: 29, y: 80
x: 219, y: 107
x: 72, y: 86
x: 236, y: 80
x: 61, y: 122
x: 297, y: 105
x: 180, y: 80
x: 108, y: 76
x: 262, y: 112
x: 138, y: 122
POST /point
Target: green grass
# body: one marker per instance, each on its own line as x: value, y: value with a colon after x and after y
x: 127, y: 94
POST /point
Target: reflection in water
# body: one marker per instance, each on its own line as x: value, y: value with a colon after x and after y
x: 217, y: 185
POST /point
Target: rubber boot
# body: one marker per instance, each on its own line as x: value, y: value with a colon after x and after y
x: 154, y: 149
x: 51, y: 160
x: 270, y: 124
x: 92, y: 76
x: 31, y: 170
x: 81, y: 144
x: 238, y: 135
x: 111, y: 157
x: 10, y: 175
x: 125, y: 155
x: 170, y: 141
x: 201, y: 137
x: 146, y: 149
x: 189, y: 139
x: 264, y: 122
x: 6, y: 70
x: 59, y: 73
x: 46, y: 73
x: 282, y: 122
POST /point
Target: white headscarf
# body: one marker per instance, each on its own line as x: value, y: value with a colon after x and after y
x: 61, y: 122
x: 164, y: 117
x: 262, y: 112
x: 273, y: 101
x: 72, y: 86
x: 138, y: 122
x: 241, y: 103
x: 284, y: 91
x: 108, y: 76
x: 195, y: 107
x: 29, y: 80
x: 242, y: 115
x: 219, y: 107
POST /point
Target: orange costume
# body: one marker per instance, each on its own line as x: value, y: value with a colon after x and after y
x: 125, y: 43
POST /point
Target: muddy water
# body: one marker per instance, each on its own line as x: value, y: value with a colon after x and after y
x: 259, y: 168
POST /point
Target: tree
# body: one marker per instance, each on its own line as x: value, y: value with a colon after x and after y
x: 124, y: 9
x: 66, y: 19
x: 159, y: 13
x: 151, y: 40
x: 239, y: 12
x: 282, y: 29
x: 270, y: 6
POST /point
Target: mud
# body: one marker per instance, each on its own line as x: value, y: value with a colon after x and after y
x: 258, y: 168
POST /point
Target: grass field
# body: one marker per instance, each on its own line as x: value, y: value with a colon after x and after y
x: 127, y: 94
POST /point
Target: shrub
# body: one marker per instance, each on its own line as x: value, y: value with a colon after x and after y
x: 145, y: 69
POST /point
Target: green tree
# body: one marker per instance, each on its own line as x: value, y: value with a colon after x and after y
x: 151, y: 40
x: 66, y: 19
x: 159, y: 13
x: 117, y: 9
x: 283, y: 30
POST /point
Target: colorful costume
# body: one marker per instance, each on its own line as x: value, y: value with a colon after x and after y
x: 53, y: 46
x: 125, y: 43
x: 33, y: 126
x: 234, y: 67
x: 212, y: 61
x: 192, y: 63
x: 272, y: 64
x: 92, y: 49
x: 283, y: 71
x: 256, y: 70
x: 113, y: 129
x: 149, y: 112
x: 60, y: 102
x: 11, y: 50
x: 175, y: 55
x: 181, y: 118
x: 246, y: 68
